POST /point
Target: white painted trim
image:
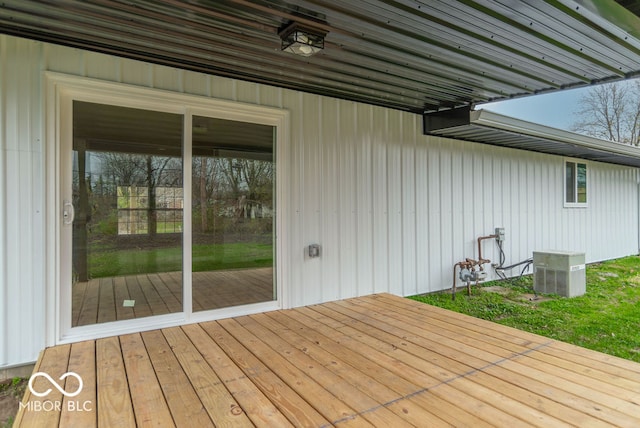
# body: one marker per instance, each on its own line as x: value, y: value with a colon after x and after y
x: 254, y: 308
x: 187, y: 241
x: 61, y: 90
x: 4, y: 321
x: 97, y: 331
x: 283, y: 172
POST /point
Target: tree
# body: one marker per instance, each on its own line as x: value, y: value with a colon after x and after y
x: 232, y: 171
x: 258, y: 176
x: 611, y: 112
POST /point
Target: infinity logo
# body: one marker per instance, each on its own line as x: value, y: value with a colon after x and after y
x: 55, y: 384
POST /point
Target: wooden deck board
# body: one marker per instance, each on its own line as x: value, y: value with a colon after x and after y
x: 182, y: 400
x: 291, y: 405
x: 74, y: 409
x: 149, y: 405
x: 425, y: 370
x: 381, y: 379
x: 621, y: 373
x: 112, y: 385
x: 378, y: 360
x: 261, y: 411
x: 215, y: 397
x: 400, y: 364
x: 352, y: 387
x: 295, y: 377
x: 54, y: 362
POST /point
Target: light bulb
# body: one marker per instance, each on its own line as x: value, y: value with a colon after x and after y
x: 306, y: 49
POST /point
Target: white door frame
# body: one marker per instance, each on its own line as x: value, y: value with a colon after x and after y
x: 61, y: 91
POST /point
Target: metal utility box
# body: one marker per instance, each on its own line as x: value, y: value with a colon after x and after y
x: 559, y: 272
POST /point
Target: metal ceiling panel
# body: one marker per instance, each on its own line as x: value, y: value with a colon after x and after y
x: 411, y: 55
x: 482, y: 126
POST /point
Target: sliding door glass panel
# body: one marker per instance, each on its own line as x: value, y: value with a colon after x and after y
x: 233, y: 213
x: 128, y: 210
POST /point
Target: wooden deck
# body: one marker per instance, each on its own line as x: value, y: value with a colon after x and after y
x: 373, y: 361
x: 101, y: 300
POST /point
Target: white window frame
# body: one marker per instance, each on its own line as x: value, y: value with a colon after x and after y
x: 575, y: 204
x: 61, y: 91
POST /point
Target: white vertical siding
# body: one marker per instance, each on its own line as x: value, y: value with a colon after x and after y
x: 339, y: 221
x: 4, y: 277
x: 22, y: 288
x: 410, y: 258
x: 356, y: 118
x: 392, y: 209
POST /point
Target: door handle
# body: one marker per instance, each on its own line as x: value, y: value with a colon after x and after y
x: 68, y: 212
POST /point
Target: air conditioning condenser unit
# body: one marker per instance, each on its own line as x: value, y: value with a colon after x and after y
x: 559, y: 272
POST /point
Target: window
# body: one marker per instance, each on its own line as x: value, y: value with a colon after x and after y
x: 575, y: 178
x: 134, y: 210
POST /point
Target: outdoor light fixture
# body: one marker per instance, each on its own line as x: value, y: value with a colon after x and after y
x: 300, y: 40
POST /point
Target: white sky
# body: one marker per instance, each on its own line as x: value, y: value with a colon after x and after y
x: 555, y: 109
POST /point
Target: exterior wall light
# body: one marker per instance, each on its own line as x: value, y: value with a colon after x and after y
x: 300, y: 40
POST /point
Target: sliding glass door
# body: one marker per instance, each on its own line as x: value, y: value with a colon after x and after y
x: 131, y: 209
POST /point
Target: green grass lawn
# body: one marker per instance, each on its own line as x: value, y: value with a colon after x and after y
x: 606, y: 318
x: 169, y: 259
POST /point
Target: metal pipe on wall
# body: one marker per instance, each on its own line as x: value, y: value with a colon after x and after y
x: 480, y: 239
x: 477, y: 275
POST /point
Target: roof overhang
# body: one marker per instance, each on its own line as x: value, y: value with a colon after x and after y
x: 483, y: 126
x: 415, y: 56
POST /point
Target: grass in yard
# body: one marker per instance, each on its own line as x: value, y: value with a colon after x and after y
x: 605, y: 319
x: 169, y: 259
